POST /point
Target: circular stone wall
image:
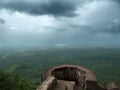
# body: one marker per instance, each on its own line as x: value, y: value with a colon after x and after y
x: 68, y: 74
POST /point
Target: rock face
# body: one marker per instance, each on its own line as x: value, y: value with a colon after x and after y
x: 72, y: 77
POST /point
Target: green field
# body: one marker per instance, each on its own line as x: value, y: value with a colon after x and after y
x: 29, y: 64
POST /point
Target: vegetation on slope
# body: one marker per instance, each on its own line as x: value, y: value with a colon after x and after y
x: 29, y: 64
x: 12, y: 82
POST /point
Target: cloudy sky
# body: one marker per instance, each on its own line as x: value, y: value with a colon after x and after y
x: 59, y: 22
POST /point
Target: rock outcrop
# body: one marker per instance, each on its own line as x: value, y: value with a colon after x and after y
x: 72, y: 77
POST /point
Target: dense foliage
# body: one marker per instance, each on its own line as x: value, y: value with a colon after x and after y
x: 29, y: 64
x: 12, y: 82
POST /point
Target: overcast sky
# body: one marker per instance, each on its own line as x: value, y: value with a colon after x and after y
x: 59, y: 22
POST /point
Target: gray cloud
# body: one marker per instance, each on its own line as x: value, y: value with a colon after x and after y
x: 118, y: 1
x: 97, y: 23
x: 2, y: 28
x: 2, y: 21
x: 50, y: 7
x: 115, y: 27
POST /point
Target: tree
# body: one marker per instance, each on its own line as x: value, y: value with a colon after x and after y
x: 12, y: 82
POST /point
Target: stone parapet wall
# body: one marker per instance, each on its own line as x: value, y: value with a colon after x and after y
x: 62, y: 78
x: 48, y: 84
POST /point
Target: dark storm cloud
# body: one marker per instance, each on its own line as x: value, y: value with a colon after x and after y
x: 2, y: 21
x: 115, y: 28
x: 118, y: 1
x: 2, y: 28
x: 48, y: 7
